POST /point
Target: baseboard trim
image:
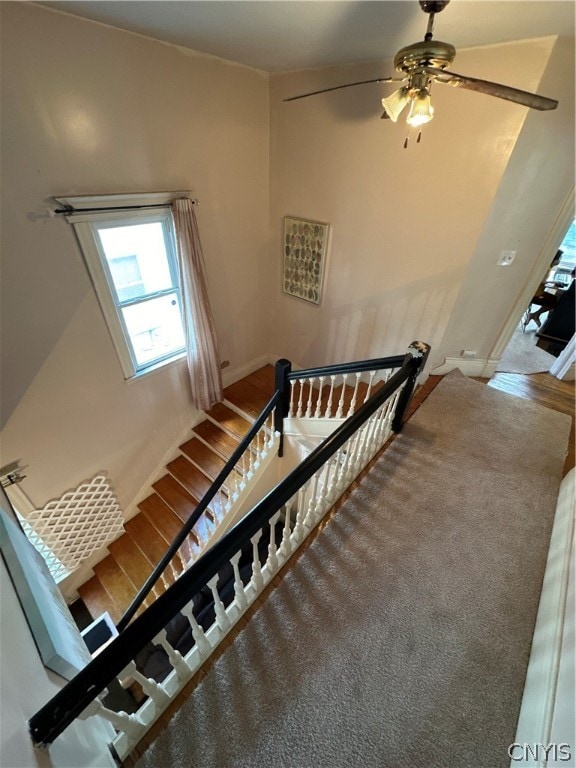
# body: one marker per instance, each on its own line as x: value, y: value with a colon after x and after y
x: 552, y: 640
x: 234, y: 374
x: 479, y: 367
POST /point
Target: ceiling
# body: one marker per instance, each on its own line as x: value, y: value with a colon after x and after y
x: 283, y: 35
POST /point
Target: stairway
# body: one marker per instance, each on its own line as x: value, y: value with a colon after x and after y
x: 175, y: 495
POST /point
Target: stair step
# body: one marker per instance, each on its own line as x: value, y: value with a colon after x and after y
x: 247, y: 397
x: 180, y: 501
x: 98, y: 601
x: 197, y: 484
x: 229, y: 420
x: 169, y: 524
x: 147, y: 537
x: 115, y: 581
x: 203, y: 457
x: 264, y: 379
x: 131, y: 560
x: 221, y: 442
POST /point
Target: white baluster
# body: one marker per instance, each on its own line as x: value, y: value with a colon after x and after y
x: 202, y: 642
x: 222, y: 618
x: 300, y: 398
x: 286, y: 532
x: 239, y: 592
x: 272, y: 561
x: 131, y: 725
x: 309, y: 520
x: 340, y: 410
x: 370, y: 382
x: 291, y: 408
x: 318, y: 411
x: 151, y: 688
x: 329, y: 404
x: 352, y: 407
x: 257, y: 581
x: 309, y: 403
x: 322, y: 502
x: 183, y: 671
x: 300, y: 514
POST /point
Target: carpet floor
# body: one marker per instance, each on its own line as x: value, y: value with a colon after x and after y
x: 523, y: 356
x: 401, y: 637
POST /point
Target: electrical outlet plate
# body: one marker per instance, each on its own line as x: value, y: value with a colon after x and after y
x: 506, y: 258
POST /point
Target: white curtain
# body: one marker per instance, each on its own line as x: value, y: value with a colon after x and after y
x: 201, y: 342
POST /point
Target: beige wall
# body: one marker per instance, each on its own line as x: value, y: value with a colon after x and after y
x: 415, y: 232
x: 406, y: 223
x: 90, y: 109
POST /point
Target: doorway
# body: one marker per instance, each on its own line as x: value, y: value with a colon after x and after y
x: 561, y: 237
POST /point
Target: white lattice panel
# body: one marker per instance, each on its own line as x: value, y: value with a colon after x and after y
x: 68, y: 530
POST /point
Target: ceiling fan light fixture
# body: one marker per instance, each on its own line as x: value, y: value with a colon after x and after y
x: 421, y: 110
x: 395, y: 103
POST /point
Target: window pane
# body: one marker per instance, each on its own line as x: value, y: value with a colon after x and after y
x: 155, y: 328
x: 137, y: 259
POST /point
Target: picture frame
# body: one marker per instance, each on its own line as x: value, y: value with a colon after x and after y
x: 305, y: 250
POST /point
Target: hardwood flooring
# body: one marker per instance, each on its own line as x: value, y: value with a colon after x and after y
x: 546, y: 390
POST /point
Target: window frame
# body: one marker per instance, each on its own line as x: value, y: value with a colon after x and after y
x: 125, y: 210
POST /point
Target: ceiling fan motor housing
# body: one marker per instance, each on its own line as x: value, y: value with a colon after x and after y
x: 431, y: 53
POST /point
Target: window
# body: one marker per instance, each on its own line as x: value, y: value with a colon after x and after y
x: 131, y: 256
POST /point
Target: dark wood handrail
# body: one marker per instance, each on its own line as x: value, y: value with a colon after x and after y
x: 358, y: 366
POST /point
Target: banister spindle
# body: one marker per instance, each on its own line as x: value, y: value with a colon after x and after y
x: 370, y: 382
x: 222, y: 618
x: 151, y: 688
x: 131, y: 725
x: 318, y: 411
x: 286, y: 531
x: 340, y: 410
x: 183, y: 671
x: 309, y: 403
x: 330, y: 396
x: 300, y: 398
x: 257, y: 581
x: 352, y: 407
x: 239, y: 591
x: 202, y: 642
x: 272, y: 561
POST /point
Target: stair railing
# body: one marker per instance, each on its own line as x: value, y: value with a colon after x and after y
x: 260, y: 436
x: 297, y: 504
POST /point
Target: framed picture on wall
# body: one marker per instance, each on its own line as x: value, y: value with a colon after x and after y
x: 305, y: 248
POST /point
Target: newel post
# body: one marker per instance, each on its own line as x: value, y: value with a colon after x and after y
x: 282, y: 369
x: 419, y: 351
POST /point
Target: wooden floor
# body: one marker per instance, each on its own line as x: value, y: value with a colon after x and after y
x: 544, y: 389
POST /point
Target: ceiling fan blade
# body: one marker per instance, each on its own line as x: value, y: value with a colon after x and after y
x: 532, y: 100
x: 347, y: 85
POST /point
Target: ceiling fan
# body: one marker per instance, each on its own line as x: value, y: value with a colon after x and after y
x: 427, y: 62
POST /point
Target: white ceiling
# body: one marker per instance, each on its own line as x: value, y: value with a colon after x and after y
x: 283, y: 35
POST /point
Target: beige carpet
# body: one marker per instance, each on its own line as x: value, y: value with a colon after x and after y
x: 523, y: 356
x: 401, y: 637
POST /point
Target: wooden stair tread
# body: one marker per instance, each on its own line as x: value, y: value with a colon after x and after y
x: 229, y: 420
x: 248, y: 397
x: 168, y: 523
x: 131, y: 560
x: 180, y: 501
x: 115, y: 581
x: 264, y: 379
x: 98, y: 601
x: 190, y: 477
x: 221, y: 441
x: 203, y: 457
x: 147, y: 537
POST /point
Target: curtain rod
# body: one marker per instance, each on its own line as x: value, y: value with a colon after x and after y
x: 68, y: 209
